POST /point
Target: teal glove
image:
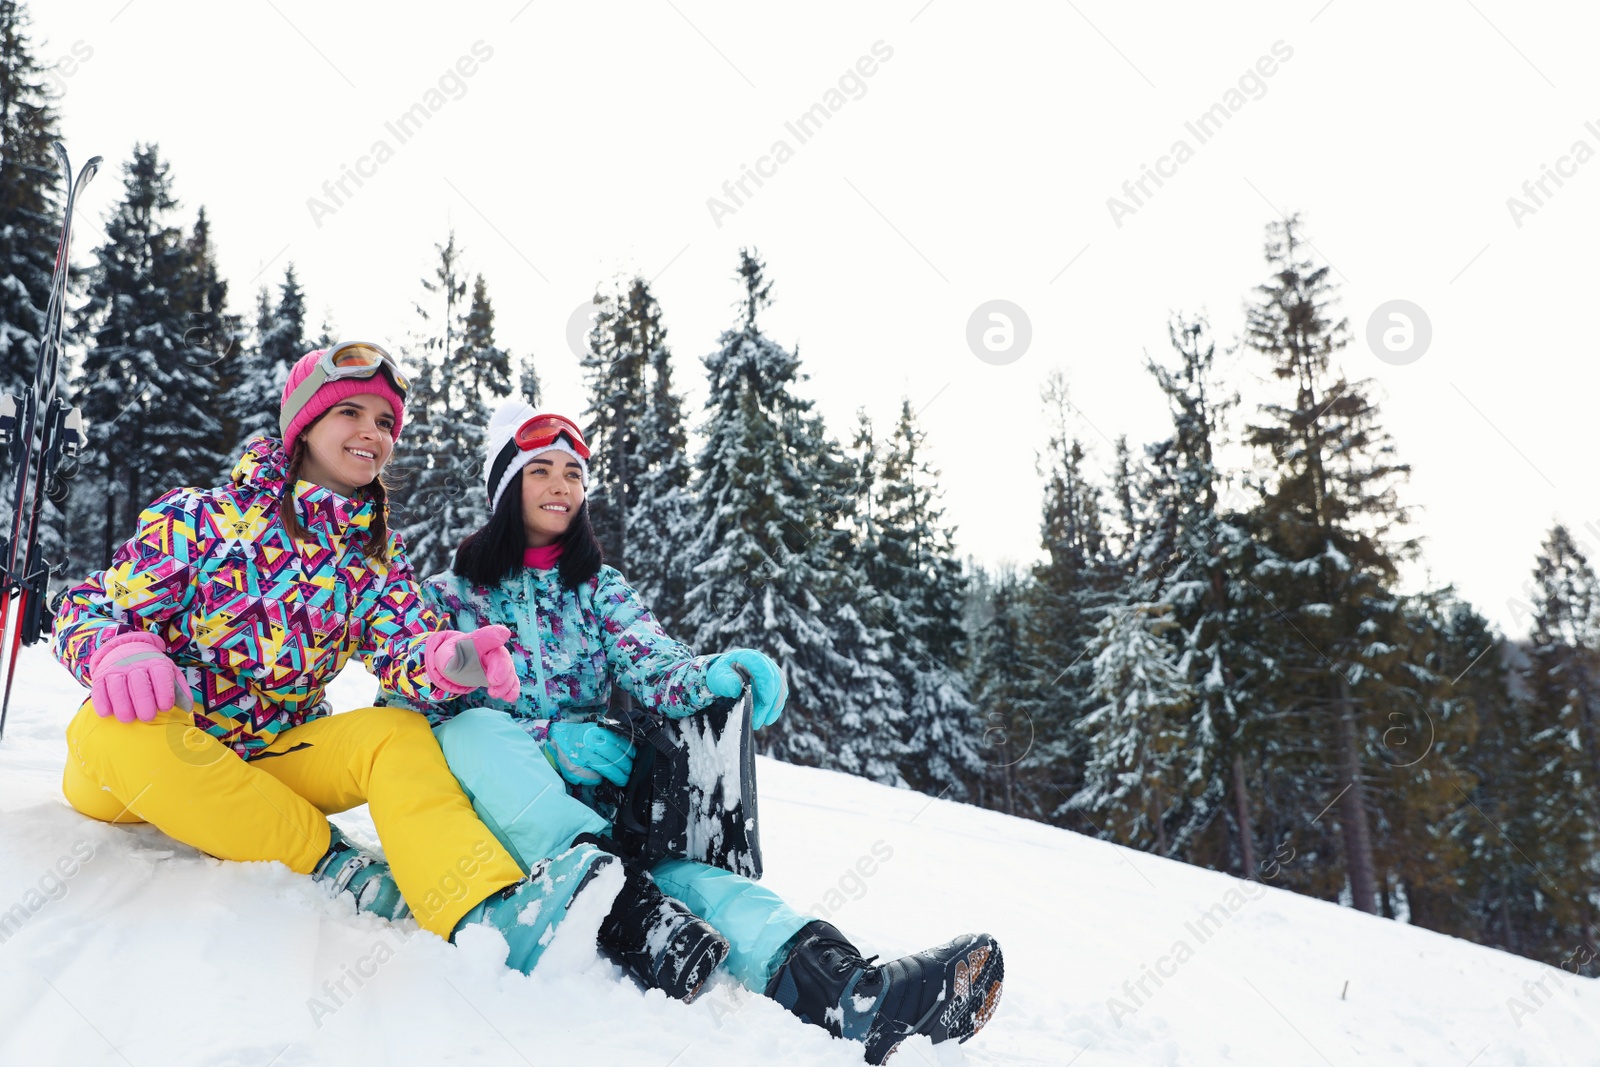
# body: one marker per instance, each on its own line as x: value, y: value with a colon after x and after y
x: 583, y: 753
x: 768, y: 689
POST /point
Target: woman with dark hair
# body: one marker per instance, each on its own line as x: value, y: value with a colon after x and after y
x: 210, y: 640
x: 577, y: 630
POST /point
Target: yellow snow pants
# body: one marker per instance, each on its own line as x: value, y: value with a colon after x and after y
x: 192, y: 787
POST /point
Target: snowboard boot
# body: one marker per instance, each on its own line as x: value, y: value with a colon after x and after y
x: 945, y: 992
x: 656, y: 938
x: 363, y: 877
x: 533, y: 913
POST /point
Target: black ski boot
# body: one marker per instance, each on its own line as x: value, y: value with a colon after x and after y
x: 945, y: 992
x: 657, y: 938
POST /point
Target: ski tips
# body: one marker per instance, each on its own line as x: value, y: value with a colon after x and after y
x: 89, y: 168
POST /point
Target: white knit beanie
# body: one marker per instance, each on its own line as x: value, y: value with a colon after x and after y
x: 502, y: 431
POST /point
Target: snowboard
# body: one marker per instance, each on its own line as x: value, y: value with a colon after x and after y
x: 692, y: 792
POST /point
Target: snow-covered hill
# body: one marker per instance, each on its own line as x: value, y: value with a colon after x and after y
x: 119, y: 946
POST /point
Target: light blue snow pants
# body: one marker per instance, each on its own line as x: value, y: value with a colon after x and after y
x: 522, y: 799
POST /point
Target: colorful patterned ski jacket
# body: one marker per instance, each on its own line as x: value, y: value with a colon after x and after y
x: 259, y: 624
x: 569, y: 647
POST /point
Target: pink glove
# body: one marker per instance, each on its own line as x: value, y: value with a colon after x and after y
x: 459, y: 662
x: 131, y: 675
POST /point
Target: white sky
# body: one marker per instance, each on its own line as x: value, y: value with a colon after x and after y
x: 976, y: 166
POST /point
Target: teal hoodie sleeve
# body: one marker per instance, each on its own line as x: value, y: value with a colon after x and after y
x: 660, y: 673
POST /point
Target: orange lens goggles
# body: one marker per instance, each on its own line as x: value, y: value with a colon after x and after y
x: 362, y: 359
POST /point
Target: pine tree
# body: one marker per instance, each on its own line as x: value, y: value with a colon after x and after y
x: 1135, y: 773
x: 1002, y: 684
x: 1561, y: 812
x: 1566, y: 639
x: 30, y: 224
x: 327, y: 334
x: 1478, y: 900
x: 866, y: 651
x: 768, y: 504
x: 216, y: 333
x: 909, y: 561
x: 284, y: 341
x: 251, y: 383
x: 144, y: 387
x: 1128, y: 492
x: 1071, y: 589
x: 479, y: 379
x: 625, y: 332
x: 30, y: 206
x: 1421, y: 825
x: 1526, y: 822
x: 661, y: 540
x: 257, y: 398
x: 438, y: 496
x: 1193, y: 556
x: 1327, y: 529
x: 528, y: 382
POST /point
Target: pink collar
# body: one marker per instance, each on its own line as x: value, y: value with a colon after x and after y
x: 542, y: 558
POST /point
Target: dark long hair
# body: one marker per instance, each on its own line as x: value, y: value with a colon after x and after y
x: 489, y: 556
x: 377, y: 545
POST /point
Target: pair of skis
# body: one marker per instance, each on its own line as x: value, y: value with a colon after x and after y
x: 37, y: 431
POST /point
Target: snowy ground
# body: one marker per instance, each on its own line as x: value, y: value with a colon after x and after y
x: 133, y: 949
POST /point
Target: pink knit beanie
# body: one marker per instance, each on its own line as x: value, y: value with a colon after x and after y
x: 333, y: 392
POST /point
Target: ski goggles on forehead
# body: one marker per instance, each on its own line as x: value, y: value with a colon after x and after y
x: 361, y: 359
x: 541, y: 431
x: 537, y: 433
x: 351, y: 360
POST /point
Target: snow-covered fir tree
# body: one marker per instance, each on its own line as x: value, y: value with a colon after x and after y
x: 31, y: 185
x: 214, y: 335
x: 284, y: 341
x: 250, y: 386
x: 1328, y: 534
x: 1563, y: 680
x: 1071, y: 589
x: 1422, y: 825
x: 458, y: 372
x: 479, y: 379
x: 1481, y: 895
x: 30, y: 199
x: 1001, y: 679
x: 427, y: 477
x: 327, y: 333
x: 659, y: 548
x: 253, y: 381
x: 1528, y: 882
x: 770, y: 488
x: 528, y: 384
x: 871, y: 706
x: 146, y: 390
x: 1192, y: 555
x: 1135, y: 772
x: 625, y: 332
x: 910, y: 565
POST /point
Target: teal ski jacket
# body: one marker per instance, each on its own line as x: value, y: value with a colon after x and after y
x: 569, y: 648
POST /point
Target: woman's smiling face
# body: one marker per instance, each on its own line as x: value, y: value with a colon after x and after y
x: 349, y: 445
x: 552, y: 491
